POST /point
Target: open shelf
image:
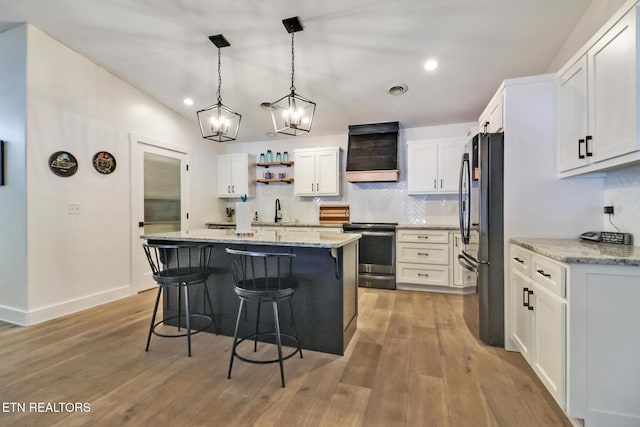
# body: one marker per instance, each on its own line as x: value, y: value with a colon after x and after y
x: 288, y: 164
x: 270, y: 180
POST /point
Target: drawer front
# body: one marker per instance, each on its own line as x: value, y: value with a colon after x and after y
x: 424, y: 236
x: 521, y: 259
x: 436, y: 275
x: 549, y: 274
x: 424, y: 253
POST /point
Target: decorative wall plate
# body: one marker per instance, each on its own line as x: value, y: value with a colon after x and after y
x: 63, y: 163
x: 104, y: 162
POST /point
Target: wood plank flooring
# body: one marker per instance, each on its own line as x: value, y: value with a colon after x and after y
x: 412, y: 362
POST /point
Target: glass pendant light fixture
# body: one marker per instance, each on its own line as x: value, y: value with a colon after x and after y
x: 292, y: 114
x: 219, y: 122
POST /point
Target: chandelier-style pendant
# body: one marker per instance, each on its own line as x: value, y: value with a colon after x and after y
x: 292, y: 114
x: 219, y: 122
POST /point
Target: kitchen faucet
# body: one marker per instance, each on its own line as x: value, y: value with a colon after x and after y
x: 278, y: 217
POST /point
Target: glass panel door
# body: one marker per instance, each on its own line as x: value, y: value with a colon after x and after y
x: 162, y: 195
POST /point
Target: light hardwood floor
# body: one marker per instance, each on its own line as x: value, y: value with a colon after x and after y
x: 412, y: 362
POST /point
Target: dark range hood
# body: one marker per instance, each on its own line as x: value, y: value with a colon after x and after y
x: 372, y: 155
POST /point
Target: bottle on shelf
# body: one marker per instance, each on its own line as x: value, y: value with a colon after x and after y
x: 269, y: 156
x: 285, y: 156
x: 278, y: 157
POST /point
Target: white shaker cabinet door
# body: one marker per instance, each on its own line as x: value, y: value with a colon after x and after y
x: 573, y: 120
x: 613, y: 97
x: 449, y: 159
x: 305, y: 173
x: 327, y: 173
x: 423, y: 168
x: 224, y: 176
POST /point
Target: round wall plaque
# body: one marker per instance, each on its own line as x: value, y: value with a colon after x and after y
x: 63, y: 163
x: 104, y: 162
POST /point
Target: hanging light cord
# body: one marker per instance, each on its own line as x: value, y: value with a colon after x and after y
x: 293, y: 88
x: 219, y: 79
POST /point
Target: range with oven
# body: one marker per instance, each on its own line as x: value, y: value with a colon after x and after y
x: 377, y: 254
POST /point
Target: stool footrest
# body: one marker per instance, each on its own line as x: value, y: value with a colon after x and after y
x: 183, y: 316
x: 264, y: 334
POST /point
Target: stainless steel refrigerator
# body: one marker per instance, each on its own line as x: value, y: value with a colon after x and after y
x: 484, y: 310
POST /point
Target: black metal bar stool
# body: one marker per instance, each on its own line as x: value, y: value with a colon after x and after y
x: 180, y: 266
x: 264, y: 277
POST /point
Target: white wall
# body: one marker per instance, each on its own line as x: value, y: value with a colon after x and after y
x: 13, y: 108
x: 381, y: 202
x: 77, y: 261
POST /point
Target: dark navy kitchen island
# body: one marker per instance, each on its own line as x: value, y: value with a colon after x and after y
x: 325, y: 268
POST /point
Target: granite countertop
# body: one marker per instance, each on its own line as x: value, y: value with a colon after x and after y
x: 274, y: 224
x: 271, y: 238
x: 576, y: 251
x: 428, y: 227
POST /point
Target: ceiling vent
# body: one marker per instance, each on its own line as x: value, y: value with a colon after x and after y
x: 372, y: 155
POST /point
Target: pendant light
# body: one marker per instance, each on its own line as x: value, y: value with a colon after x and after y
x: 292, y: 114
x: 219, y: 122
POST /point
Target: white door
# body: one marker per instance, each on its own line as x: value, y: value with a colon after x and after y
x: 423, y: 168
x: 327, y: 173
x: 449, y: 157
x: 612, y: 64
x: 305, y: 173
x: 572, y: 152
x: 158, y: 200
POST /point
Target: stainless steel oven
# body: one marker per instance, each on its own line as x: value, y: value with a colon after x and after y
x: 377, y: 254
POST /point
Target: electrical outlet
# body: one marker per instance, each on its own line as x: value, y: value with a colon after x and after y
x: 74, y: 208
x: 608, y: 210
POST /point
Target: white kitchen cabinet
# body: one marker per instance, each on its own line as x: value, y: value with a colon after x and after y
x: 422, y: 259
x: 317, y: 172
x: 538, y: 317
x: 493, y: 115
x: 434, y: 165
x: 598, y: 103
x: 233, y: 175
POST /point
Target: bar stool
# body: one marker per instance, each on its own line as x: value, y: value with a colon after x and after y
x: 180, y: 266
x: 263, y: 277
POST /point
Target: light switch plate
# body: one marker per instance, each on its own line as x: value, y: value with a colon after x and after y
x: 74, y: 208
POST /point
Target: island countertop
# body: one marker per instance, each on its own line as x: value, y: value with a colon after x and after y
x: 271, y: 238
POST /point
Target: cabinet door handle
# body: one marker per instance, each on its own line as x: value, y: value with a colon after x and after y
x: 580, y: 142
x: 435, y: 183
x: 542, y: 273
x: 440, y: 183
x: 423, y: 237
x: 529, y: 293
x: 525, y: 297
x: 518, y: 260
x: 586, y: 145
x: 423, y: 274
x: 423, y: 253
x: 229, y: 189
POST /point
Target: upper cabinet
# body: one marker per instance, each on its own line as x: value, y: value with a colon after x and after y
x: 434, y: 165
x: 493, y: 115
x: 598, y: 103
x: 317, y: 171
x: 234, y: 175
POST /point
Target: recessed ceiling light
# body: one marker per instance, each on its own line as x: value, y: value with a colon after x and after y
x: 431, y: 65
x: 188, y: 101
x: 398, y: 89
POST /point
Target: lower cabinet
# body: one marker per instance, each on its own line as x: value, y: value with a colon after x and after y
x: 576, y: 325
x: 427, y: 260
x: 538, y: 317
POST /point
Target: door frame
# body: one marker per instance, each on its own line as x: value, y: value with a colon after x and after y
x: 139, y: 144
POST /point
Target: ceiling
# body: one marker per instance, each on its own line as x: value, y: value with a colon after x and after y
x: 349, y: 54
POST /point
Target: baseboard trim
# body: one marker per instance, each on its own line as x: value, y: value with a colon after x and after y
x: 42, y: 314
